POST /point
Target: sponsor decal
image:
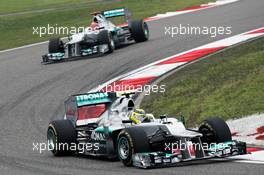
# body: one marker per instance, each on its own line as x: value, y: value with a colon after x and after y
x: 86, y: 99
x: 98, y: 136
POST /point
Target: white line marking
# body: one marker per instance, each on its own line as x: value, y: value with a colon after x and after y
x: 246, y: 128
x: 254, y: 157
x: 249, y: 161
x: 230, y: 41
x: 155, y: 70
x: 23, y: 47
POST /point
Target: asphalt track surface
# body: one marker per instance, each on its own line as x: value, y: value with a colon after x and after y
x: 33, y: 94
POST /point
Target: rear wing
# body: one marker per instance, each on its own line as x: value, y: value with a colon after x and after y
x: 90, y: 106
x: 117, y: 13
x: 87, y: 99
x: 94, y: 98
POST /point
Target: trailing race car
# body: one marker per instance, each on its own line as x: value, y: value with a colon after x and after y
x: 100, y: 38
x: 109, y: 125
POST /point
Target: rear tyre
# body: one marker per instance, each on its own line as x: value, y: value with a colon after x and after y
x: 129, y: 142
x: 139, y: 30
x: 56, y: 45
x: 106, y: 37
x: 215, y: 130
x: 61, y: 134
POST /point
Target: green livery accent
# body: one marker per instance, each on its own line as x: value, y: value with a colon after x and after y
x: 116, y: 29
x: 58, y: 54
x: 94, y: 98
x: 168, y: 155
x: 101, y: 129
x: 87, y: 51
x: 114, y: 13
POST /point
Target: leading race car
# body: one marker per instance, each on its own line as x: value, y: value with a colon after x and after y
x: 101, y: 37
x: 107, y: 124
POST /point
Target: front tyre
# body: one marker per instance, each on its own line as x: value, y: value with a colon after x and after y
x: 105, y: 37
x: 139, y: 30
x: 61, y: 135
x: 215, y: 130
x: 56, y: 45
x: 129, y: 142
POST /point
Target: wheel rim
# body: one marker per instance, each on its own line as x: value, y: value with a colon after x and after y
x: 208, y: 134
x: 51, y: 139
x: 123, y: 148
x: 146, y: 31
x: 112, y: 43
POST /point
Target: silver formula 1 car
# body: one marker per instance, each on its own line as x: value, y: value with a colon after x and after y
x: 102, y: 121
x: 101, y: 37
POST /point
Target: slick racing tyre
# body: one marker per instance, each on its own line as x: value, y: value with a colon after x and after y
x: 139, y: 30
x: 56, y: 45
x: 61, y: 135
x: 215, y: 130
x: 129, y: 142
x: 106, y: 37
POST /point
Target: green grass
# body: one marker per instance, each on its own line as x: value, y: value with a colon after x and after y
x: 229, y: 84
x: 14, y: 6
x: 16, y: 30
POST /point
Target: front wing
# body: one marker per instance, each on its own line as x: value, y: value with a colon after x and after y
x: 162, y: 159
x: 60, y: 56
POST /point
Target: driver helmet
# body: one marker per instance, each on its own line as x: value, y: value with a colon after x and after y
x: 138, y: 116
x: 94, y: 24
